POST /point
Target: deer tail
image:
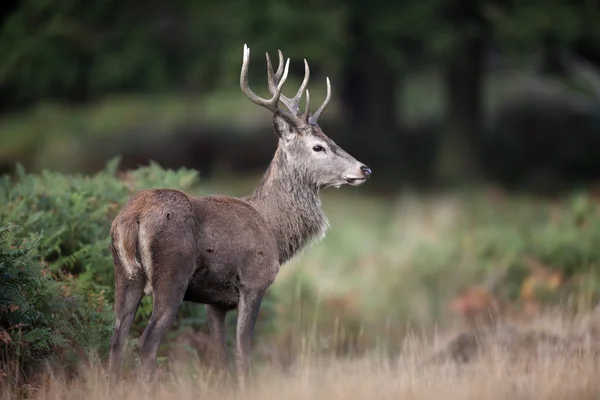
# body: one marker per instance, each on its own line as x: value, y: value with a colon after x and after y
x: 124, y: 244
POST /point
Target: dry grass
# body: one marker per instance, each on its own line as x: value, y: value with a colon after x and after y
x: 494, y: 377
x: 519, y: 368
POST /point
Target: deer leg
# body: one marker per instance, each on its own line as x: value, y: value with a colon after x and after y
x: 167, y: 299
x: 248, y: 308
x: 128, y: 294
x: 216, y: 325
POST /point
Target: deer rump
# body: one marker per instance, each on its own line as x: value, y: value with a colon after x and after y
x: 173, y: 242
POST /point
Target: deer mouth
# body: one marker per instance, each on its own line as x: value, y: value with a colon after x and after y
x: 355, y: 181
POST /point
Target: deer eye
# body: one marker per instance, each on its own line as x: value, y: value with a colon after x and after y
x: 318, y: 148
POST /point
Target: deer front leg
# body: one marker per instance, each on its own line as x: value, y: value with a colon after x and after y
x: 248, y: 308
x: 216, y: 325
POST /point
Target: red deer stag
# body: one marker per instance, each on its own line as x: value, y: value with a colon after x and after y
x: 221, y: 251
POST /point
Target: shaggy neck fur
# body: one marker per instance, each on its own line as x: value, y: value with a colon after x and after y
x: 290, y: 203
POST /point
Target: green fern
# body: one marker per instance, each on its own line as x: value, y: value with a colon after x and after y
x: 55, y: 259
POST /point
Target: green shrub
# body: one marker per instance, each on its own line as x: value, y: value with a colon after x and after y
x: 538, y: 239
x: 41, y: 318
x: 74, y: 212
x: 523, y: 251
x: 55, y: 259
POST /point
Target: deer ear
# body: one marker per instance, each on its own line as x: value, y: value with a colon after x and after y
x: 283, y: 127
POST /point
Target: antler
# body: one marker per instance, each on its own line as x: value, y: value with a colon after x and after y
x: 270, y: 104
x: 313, y: 119
x: 292, y: 104
x: 276, y: 81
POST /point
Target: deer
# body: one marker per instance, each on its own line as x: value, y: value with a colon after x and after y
x: 220, y: 251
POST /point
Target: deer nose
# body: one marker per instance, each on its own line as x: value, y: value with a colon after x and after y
x: 366, y: 171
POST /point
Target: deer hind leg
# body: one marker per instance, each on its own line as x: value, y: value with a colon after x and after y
x: 128, y: 294
x: 163, y: 314
x: 169, y: 285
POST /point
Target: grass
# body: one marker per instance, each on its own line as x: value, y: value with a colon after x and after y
x: 500, y: 371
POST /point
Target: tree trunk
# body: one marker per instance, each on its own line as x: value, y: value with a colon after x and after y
x: 7, y: 100
x: 459, y: 157
x: 368, y: 95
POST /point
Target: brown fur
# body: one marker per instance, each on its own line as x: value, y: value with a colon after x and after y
x: 222, y: 251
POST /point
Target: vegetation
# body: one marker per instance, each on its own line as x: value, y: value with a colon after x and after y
x: 394, y: 266
x: 43, y: 319
x: 494, y: 375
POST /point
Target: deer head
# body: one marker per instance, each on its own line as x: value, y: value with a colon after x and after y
x: 306, y: 149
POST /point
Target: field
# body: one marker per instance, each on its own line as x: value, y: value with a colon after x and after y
x: 516, y: 364
x: 494, y: 376
x: 477, y: 294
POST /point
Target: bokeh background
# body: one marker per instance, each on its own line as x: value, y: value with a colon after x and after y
x: 423, y: 90
x: 479, y: 119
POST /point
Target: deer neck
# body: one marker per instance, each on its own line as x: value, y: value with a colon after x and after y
x: 291, y: 206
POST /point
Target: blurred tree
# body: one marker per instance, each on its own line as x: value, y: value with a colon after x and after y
x: 76, y: 51
x: 70, y: 50
x: 371, y: 79
x: 462, y: 54
x: 458, y: 34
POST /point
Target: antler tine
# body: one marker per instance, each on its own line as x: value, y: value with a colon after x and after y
x: 273, y: 78
x: 313, y: 118
x: 280, y: 67
x: 307, y: 105
x: 293, y: 103
x: 270, y: 104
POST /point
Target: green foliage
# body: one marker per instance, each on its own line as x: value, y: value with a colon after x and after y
x: 404, y: 263
x: 41, y: 318
x: 74, y: 213
x: 520, y: 28
x: 79, y: 49
x: 54, y: 282
x: 508, y: 249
